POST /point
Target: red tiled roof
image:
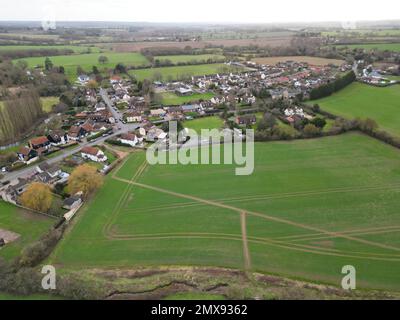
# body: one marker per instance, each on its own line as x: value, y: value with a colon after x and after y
x: 39, y: 140
x: 88, y: 127
x: 90, y: 150
x: 128, y: 136
x: 24, y: 151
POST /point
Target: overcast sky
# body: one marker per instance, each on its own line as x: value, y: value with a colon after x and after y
x: 253, y: 11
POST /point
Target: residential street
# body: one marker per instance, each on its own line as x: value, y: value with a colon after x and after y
x: 9, y: 176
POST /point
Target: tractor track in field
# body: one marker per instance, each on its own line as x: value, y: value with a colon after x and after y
x: 274, y: 196
x: 123, y: 199
x: 359, y: 233
x: 299, y: 236
x: 264, y: 241
x: 261, y: 215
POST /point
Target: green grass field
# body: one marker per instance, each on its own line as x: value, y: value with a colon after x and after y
x: 189, y: 58
x: 204, y: 123
x: 360, y: 100
x: 30, y: 226
x: 170, y: 98
x: 310, y: 208
x: 373, y: 46
x: 174, y: 73
x: 87, y: 61
x: 48, y: 103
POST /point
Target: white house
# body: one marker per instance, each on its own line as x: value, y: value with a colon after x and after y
x: 157, y: 112
x: 129, y: 139
x: 133, y: 117
x: 83, y: 79
x: 94, y: 154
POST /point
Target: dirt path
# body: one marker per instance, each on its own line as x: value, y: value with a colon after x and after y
x: 261, y: 215
x: 246, y: 252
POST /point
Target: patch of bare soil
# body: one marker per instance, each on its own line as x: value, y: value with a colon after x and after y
x: 8, y: 236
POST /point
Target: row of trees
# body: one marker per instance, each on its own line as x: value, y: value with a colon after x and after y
x: 332, y: 87
x: 18, y: 115
x: 37, y: 52
x: 39, y: 196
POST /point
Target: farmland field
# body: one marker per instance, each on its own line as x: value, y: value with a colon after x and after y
x: 310, y: 208
x: 175, y: 73
x: 373, y: 46
x: 360, y: 100
x: 87, y: 61
x: 28, y: 225
x: 140, y: 45
x: 310, y: 60
x: 189, y: 58
x: 169, y: 98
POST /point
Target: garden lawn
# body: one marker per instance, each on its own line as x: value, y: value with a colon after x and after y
x: 30, y: 226
x: 169, y: 98
x: 213, y: 122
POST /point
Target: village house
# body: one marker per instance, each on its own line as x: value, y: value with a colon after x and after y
x: 39, y: 142
x: 100, y: 106
x: 15, y: 189
x: 182, y: 91
x: 27, y: 155
x: 246, y: 120
x: 129, y: 139
x: 155, y: 134
x: 133, y: 116
x: 289, y: 112
x: 57, y: 137
x: 93, y: 154
x: 115, y: 79
x: 72, y: 202
x: 76, y: 133
x: 83, y: 79
x: 191, y: 108
x: 157, y: 112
